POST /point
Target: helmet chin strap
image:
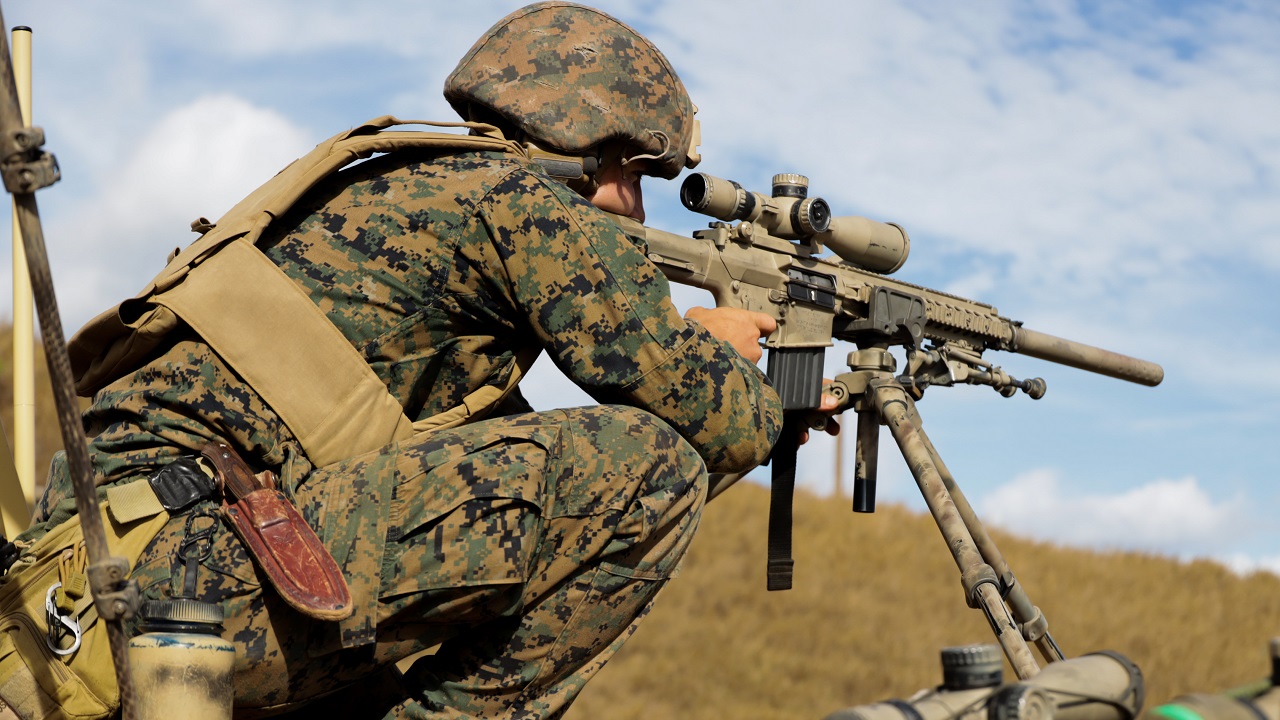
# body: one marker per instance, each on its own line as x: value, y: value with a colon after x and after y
x: 692, y: 156
x: 662, y: 138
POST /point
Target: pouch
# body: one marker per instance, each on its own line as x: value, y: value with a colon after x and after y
x: 36, y: 683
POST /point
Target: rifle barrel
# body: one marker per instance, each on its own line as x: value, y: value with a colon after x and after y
x: 1086, y: 357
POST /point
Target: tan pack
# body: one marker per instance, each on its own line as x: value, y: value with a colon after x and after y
x: 318, y: 384
x: 38, y: 678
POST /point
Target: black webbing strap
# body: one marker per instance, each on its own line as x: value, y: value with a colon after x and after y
x: 782, y: 492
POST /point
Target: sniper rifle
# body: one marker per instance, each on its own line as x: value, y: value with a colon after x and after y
x: 762, y: 254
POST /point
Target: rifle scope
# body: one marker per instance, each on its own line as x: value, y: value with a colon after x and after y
x: 790, y: 213
x: 1099, y: 686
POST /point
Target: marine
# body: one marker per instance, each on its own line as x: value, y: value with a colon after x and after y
x: 524, y: 547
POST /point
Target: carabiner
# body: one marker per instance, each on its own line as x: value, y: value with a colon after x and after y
x: 60, y: 625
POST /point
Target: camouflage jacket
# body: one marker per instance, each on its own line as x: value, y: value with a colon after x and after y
x: 438, y: 269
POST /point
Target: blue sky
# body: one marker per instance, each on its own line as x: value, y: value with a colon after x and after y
x: 1106, y: 172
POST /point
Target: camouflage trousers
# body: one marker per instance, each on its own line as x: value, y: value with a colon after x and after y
x: 526, y: 547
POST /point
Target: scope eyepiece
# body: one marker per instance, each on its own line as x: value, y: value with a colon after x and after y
x: 721, y: 199
x: 695, y: 192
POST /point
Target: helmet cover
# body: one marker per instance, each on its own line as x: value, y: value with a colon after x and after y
x: 571, y: 78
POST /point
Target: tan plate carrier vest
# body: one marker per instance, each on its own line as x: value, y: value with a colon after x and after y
x: 265, y: 326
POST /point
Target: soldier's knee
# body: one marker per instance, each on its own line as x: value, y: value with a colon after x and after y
x: 672, y: 478
x: 634, y: 479
x: 668, y: 462
x: 629, y: 461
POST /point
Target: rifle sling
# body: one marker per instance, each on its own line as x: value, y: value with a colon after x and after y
x: 781, y: 494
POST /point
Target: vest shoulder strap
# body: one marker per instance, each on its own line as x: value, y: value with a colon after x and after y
x: 255, y: 212
x: 293, y: 356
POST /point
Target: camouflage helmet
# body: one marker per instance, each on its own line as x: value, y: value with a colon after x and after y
x: 572, y: 78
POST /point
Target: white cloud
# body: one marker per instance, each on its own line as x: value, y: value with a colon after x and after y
x: 1094, y: 167
x: 202, y: 156
x: 546, y: 388
x: 196, y: 160
x: 1242, y: 564
x: 1109, y: 181
x: 1167, y: 516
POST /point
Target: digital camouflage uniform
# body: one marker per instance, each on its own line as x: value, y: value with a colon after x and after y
x: 528, y: 544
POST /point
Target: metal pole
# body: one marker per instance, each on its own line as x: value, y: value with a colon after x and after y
x: 113, y: 597
x: 13, y: 508
x: 17, y: 484
x: 24, y: 353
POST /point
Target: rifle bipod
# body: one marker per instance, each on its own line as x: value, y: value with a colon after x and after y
x: 879, y: 398
x: 1097, y: 686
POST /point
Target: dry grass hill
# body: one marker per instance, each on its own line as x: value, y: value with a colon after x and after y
x: 876, y: 597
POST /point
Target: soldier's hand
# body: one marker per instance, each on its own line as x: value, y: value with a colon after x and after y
x: 740, y: 328
x: 822, y: 418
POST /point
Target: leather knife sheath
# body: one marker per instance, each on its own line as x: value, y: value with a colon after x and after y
x: 287, y: 550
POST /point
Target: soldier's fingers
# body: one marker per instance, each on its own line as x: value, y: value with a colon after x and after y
x: 833, y: 426
x: 766, y: 324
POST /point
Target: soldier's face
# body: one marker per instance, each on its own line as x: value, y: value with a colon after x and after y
x: 618, y: 191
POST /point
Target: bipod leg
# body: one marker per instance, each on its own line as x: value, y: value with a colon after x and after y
x: 1033, y: 624
x: 867, y: 461
x: 981, y: 585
